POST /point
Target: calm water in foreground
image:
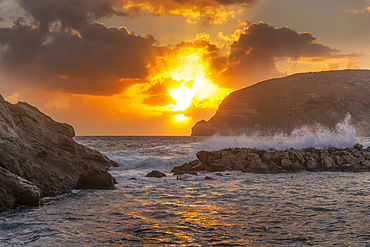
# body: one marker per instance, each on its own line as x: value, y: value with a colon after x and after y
x: 236, y: 209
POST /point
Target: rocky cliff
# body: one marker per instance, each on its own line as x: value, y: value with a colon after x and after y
x: 39, y: 158
x: 284, y: 104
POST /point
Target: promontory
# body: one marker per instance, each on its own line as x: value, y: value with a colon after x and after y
x: 285, y: 104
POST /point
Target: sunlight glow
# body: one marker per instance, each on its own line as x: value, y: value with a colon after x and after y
x: 195, y: 86
x: 183, y: 97
x: 181, y: 117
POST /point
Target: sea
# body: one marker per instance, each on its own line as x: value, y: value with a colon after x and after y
x: 234, y: 209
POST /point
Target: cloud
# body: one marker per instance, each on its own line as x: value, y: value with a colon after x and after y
x: 254, y: 55
x: 72, y: 13
x: 356, y: 11
x: 93, y: 60
x: 243, y: 23
x: 159, y: 100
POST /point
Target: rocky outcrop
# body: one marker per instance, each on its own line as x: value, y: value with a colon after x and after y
x: 257, y: 160
x: 285, y: 104
x: 155, y: 174
x: 39, y: 158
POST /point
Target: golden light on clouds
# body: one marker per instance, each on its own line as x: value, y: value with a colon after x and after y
x: 69, y: 62
x: 190, y: 70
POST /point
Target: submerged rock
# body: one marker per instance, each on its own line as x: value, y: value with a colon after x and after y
x: 277, y: 161
x: 39, y: 158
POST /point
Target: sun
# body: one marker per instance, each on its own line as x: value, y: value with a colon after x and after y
x: 181, y: 117
x: 190, y: 85
x: 183, y: 97
x: 195, y: 86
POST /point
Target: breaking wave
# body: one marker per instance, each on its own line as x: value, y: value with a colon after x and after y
x: 308, y: 136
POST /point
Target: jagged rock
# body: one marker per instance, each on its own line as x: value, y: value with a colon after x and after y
x: 328, y: 164
x: 296, y: 156
x: 276, y: 161
x: 241, y: 155
x: 239, y: 166
x: 39, y: 157
x: 312, y: 165
x: 206, y: 157
x: 298, y: 168
x: 18, y: 190
x: 286, y: 164
x: 366, y: 163
x: 267, y: 155
x: 218, y: 166
x: 358, y: 147
x: 156, y: 174
x: 284, y: 104
x: 209, y: 178
x: 228, y: 160
x: 254, y: 166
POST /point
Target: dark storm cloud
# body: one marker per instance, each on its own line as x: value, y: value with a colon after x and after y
x: 93, y: 60
x: 71, y: 13
x: 254, y: 54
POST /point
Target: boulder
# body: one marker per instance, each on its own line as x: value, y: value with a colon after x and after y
x: 254, y: 166
x: 241, y: 155
x: 286, y: 164
x: 275, y: 161
x: 328, y: 164
x: 155, y: 174
x: 218, y: 166
x: 18, y: 190
x: 358, y: 147
x: 205, y: 157
x: 39, y: 158
x: 298, y: 167
x: 312, y: 165
x: 267, y: 155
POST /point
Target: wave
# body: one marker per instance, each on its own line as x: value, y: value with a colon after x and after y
x: 165, y: 157
x: 309, y: 136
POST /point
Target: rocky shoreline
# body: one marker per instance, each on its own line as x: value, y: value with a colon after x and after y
x: 255, y: 160
x: 39, y: 158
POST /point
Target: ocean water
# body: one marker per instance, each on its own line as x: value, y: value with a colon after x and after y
x: 235, y: 209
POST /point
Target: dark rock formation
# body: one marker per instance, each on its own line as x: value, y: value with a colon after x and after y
x: 155, y: 174
x: 39, y: 158
x: 255, y: 160
x: 285, y: 104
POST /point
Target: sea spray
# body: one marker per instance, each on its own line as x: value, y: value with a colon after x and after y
x: 316, y: 136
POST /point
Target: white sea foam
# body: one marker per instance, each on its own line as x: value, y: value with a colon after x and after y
x: 166, y: 157
x: 308, y: 136
x: 159, y: 157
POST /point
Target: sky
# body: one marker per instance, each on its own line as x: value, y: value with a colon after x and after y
x: 156, y: 67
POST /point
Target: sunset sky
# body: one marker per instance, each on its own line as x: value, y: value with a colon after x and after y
x: 156, y: 67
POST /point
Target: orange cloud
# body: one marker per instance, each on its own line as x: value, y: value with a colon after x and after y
x: 254, y: 55
x: 356, y: 11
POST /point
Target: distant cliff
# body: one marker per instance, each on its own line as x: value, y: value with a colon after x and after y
x: 284, y: 104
